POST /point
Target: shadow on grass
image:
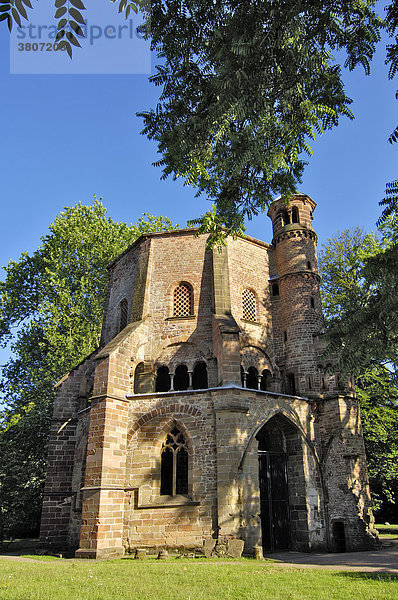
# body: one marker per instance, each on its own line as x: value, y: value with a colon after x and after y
x: 386, y: 577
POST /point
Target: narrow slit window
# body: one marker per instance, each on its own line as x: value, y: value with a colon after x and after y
x: 285, y: 218
x: 174, y: 465
x: 249, y: 305
x: 183, y: 300
x: 275, y: 290
x: 295, y: 215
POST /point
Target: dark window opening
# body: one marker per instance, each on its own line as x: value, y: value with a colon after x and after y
x: 166, y: 472
x: 295, y: 215
x: 123, y: 314
x: 265, y: 380
x: 181, y: 378
x: 163, y: 381
x: 139, y: 370
x: 285, y: 336
x: 183, y: 300
x: 323, y: 383
x: 242, y: 376
x: 285, y: 218
x: 199, y: 377
x: 309, y: 265
x: 312, y: 303
x: 174, y: 465
x: 291, y: 384
x: 339, y: 537
x: 252, y: 378
x: 275, y: 289
x: 309, y: 383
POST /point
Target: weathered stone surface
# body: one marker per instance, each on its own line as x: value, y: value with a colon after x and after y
x: 235, y: 548
x: 254, y: 315
x: 208, y: 547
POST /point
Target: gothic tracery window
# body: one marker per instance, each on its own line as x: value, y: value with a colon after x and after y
x: 183, y: 300
x: 174, y: 465
x: 249, y: 305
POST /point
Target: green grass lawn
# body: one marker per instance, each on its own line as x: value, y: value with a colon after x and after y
x: 387, y: 532
x: 184, y: 579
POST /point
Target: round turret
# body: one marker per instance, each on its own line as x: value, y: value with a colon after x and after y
x: 299, y: 303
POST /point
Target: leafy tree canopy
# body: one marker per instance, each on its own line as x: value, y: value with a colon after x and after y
x: 245, y: 85
x: 51, y: 304
x: 360, y: 297
x: 348, y: 293
x: 378, y: 395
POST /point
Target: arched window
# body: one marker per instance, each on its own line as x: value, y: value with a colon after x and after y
x: 183, y: 300
x: 252, y: 378
x: 295, y: 215
x: 249, y: 305
x: 285, y: 218
x: 265, y: 380
x: 123, y: 314
x: 163, y: 382
x: 199, y: 376
x: 181, y: 378
x: 138, y: 378
x: 174, y: 465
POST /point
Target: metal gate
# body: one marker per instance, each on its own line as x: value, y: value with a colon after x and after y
x: 274, y: 501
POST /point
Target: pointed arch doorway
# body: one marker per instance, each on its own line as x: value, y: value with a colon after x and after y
x: 283, y: 510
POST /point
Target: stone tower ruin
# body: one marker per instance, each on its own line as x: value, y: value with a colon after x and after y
x: 209, y: 413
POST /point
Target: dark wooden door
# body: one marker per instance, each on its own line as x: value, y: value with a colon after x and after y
x: 274, y: 501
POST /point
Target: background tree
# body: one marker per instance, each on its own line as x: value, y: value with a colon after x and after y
x: 364, y: 330
x: 348, y: 291
x: 51, y: 304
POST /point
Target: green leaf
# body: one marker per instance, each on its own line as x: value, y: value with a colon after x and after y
x: 77, y: 16
x: 59, y: 3
x: 78, y: 4
x: 62, y: 23
x: 28, y: 3
x: 21, y: 9
x: 3, y: 16
x: 5, y: 7
x: 60, y: 35
x: 72, y: 39
x: 16, y: 16
x: 60, y: 12
x: 76, y: 28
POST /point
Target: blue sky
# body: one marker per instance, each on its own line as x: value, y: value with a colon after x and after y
x: 66, y: 137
